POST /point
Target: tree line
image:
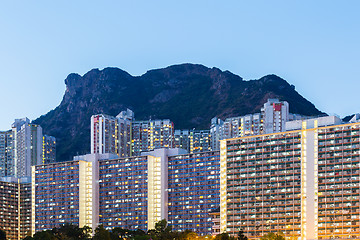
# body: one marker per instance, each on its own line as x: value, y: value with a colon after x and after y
x: 162, y: 231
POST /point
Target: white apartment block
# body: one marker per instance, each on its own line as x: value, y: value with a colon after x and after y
x: 28, y: 140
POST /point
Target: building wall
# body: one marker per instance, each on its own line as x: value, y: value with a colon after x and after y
x: 124, y: 137
x: 7, y: 164
x: 103, y: 134
x: 15, y: 208
x: 9, y: 209
x: 271, y: 119
x: 182, y: 139
x: 275, y: 114
x: 133, y: 192
x: 123, y: 193
x: 49, y: 149
x: 193, y: 140
x: 193, y: 183
x: 264, y: 184
x: 61, y: 194
x: 339, y: 182
x: 200, y: 141
x: 25, y: 209
x: 304, y: 183
x: 28, y: 151
x: 24, y: 146
x: 150, y: 135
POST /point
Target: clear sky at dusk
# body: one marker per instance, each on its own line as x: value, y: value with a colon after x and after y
x: 311, y: 44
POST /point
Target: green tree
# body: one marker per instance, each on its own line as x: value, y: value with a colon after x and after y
x: 28, y: 238
x: 2, y: 235
x: 140, y: 235
x: 241, y: 235
x: 162, y: 231
x: 101, y: 233
x: 273, y: 236
x: 224, y: 236
x: 118, y: 233
x: 186, y: 235
x: 72, y: 232
x: 44, y: 235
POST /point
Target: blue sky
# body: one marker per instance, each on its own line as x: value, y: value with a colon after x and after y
x: 312, y: 44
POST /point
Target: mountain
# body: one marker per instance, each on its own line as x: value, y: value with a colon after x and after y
x: 188, y: 94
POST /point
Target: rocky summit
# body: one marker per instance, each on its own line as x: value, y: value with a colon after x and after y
x: 188, y: 94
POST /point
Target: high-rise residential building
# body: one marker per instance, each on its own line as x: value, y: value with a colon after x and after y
x: 27, y: 139
x: 123, y: 189
x: 15, y: 207
x: 303, y: 182
x: 49, y: 149
x: 123, y: 136
x: 200, y: 141
x: 124, y: 133
x: 65, y: 192
x: 182, y: 139
x: 112, y: 134
x: 242, y: 126
x: 194, y: 186
x: 193, y: 140
x: 150, y: 135
x: 273, y: 117
x: 216, y: 133
x: 133, y: 192
x: 104, y: 133
x: 7, y: 164
x: 23, y: 146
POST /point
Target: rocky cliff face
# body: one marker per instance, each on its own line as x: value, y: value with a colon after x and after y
x: 188, y: 94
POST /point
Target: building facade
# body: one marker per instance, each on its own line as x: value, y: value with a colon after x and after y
x: 194, y: 187
x: 272, y: 118
x: 24, y: 146
x: 193, y: 140
x: 104, y: 133
x: 65, y: 192
x: 28, y: 139
x: 15, y: 207
x: 133, y: 192
x: 303, y: 182
x: 124, y: 125
x: 7, y: 162
x: 125, y: 137
x: 49, y: 149
x: 275, y: 114
x: 150, y: 135
x: 124, y: 192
